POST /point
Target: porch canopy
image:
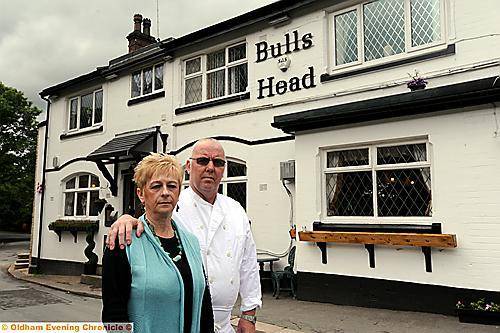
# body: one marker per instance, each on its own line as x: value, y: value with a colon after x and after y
x: 124, y: 147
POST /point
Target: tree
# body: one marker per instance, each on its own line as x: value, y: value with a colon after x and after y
x: 18, y: 140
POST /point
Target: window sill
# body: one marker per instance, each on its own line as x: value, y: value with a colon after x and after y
x: 137, y: 100
x: 210, y: 103
x: 86, y: 131
x: 450, y: 50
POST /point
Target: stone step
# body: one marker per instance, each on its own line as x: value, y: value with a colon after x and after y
x: 93, y: 280
x: 21, y: 265
x: 24, y: 255
x: 22, y: 261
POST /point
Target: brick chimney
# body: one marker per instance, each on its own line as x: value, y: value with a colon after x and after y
x: 138, y: 38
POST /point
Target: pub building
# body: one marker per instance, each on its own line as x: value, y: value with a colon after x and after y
x: 371, y: 127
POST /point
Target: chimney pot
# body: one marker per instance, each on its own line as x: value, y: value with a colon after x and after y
x: 146, y: 24
x: 137, y: 22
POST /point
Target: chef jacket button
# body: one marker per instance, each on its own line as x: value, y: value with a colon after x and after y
x: 208, y: 252
x: 231, y: 281
x: 228, y: 254
x: 224, y: 227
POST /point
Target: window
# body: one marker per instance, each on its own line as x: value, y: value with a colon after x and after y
x: 398, y: 174
x: 233, y: 183
x: 383, y: 28
x: 85, y: 110
x: 147, y: 81
x: 81, y: 194
x: 220, y: 73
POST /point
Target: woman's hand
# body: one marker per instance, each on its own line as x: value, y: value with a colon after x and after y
x: 123, y: 229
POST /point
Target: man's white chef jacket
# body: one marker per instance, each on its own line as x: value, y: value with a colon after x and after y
x: 228, y: 252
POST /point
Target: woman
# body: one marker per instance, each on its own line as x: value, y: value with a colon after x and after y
x: 157, y: 282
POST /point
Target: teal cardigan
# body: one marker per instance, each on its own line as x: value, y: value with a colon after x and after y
x: 156, y: 301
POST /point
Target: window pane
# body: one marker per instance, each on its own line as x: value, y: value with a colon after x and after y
x: 94, y: 196
x: 147, y: 81
x: 384, y: 28
x: 216, y: 59
x: 69, y: 204
x: 193, y: 66
x: 81, y: 203
x: 220, y: 189
x: 98, y: 107
x: 73, y: 113
x: 237, y: 52
x: 193, y: 90
x: 136, y: 84
x: 238, y: 78
x: 402, y: 154
x: 83, y: 181
x: 159, y: 77
x: 186, y: 175
x: 349, y: 194
x: 71, y: 183
x: 238, y: 191
x: 86, y: 110
x: 346, y: 38
x: 94, y: 181
x: 425, y: 22
x: 215, y: 84
x: 235, y: 169
x: 405, y: 192
x: 343, y: 158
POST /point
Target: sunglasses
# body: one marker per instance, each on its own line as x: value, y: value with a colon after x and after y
x: 218, y: 162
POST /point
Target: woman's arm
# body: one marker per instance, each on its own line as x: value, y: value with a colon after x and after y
x: 116, y: 282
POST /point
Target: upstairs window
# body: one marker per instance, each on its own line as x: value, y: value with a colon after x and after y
x: 85, y: 110
x: 81, y: 194
x: 220, y: 73
x: 384, y: 28
x: 378, y: 181
x: 147, y: 81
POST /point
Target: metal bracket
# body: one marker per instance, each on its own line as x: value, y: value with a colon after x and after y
x: 371, y: 254
x: 322, y: 247
x: 427, y: 255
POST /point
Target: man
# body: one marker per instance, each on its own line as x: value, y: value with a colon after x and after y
x: 223, y: 230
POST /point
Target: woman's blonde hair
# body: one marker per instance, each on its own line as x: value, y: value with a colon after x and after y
x: 157, y: 163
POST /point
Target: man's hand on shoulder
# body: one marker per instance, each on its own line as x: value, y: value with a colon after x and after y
x: 123, y: 229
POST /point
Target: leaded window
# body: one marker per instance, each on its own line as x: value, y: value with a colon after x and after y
x: 146, y: 81
x: 85, y: 110
x: 217, y: 74
x: 384, y: 28
x: 378, y: 181
x: 81, y: 195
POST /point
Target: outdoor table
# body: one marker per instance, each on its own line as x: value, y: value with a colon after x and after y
x: 263, y: 258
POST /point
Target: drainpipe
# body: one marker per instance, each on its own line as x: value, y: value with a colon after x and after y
x: 36, y: 268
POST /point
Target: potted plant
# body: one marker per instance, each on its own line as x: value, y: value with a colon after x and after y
x: 416, y: 82
x: 480, y: 312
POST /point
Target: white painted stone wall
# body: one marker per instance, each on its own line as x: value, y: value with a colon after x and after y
x: 459, y: 206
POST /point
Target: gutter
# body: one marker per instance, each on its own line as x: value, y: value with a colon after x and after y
x: 35, y: 267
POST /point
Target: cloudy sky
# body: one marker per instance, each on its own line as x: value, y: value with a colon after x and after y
x: 45, y: 42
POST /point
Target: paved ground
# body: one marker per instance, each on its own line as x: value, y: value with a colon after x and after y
x: 289, y: 315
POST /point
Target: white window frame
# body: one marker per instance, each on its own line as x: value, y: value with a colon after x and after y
x: 204, y: 72
x: 75, y: 192
x: 154, y: 88
x: 78, y: 111
x: 373, y: 167
x: 409, y: 50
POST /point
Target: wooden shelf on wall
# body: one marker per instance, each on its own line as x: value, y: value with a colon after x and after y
x: 380, y: 238
x: 370, y: 239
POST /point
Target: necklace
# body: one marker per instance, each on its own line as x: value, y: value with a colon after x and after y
x: 175, y: 258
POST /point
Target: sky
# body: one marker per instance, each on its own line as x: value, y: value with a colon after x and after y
x: 46, y: 42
